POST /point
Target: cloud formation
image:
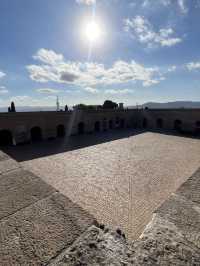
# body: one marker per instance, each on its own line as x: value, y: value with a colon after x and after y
x: 119, y: 91
x: 193, y: 66
x: 182, y: 5
x: 53, y: 67
x: 91, y: 90
x: 3, y: 90
x: 47, y: 91
x: 141, y: 30
x: 86, y: 2
x: 2, y: 74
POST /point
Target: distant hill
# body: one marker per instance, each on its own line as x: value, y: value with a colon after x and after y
x: 169, y: 105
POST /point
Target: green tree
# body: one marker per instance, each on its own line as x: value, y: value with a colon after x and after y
x: 12, y: 107
x: 109, y: 105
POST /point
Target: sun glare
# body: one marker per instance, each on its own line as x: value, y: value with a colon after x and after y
x: 93, y: 32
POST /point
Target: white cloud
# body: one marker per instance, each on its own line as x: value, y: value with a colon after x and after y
x: 172, y: 68
x: 20, y: 98
x: 47, y: 91
x: 86, y: 2
x: 193, y: 66
x: 3, y: 90
x: 141, y: 29
x: 180, y: 4
x: 121, y: 91
x: 2, y: 74
x: 91, y: 90
x: 90, y: 74
x: 48, y: 57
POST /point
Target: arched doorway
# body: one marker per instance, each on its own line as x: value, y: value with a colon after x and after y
x: 178, y: 125
x: 5, y: 137
x: 145, y: 123
x: 81, y: 128
x: 122, y: 123
x: 36, y: 134
x: 104, y: 124
x: 197, y: 128
x: 159, y: 123
x: 60, y: 131
x: 110, y: 124
x: 97, y: 126
x: 117, y: 122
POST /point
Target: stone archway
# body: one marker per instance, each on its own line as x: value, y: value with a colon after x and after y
x: 197, y: 128
x: 36, y: 134
x: 122, y: 123
x: 61, y: 131
x: 111, y: 124
x: 145, y: 123
x: 178, y: 125
x: 81, y: 128
x: 159, y: 123
x: 97, y: 126
x: 6, y: 138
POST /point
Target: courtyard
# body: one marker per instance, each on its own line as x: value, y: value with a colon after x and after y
x: 121, y: 180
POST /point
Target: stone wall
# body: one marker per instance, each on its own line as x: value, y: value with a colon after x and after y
x: 22, y: 126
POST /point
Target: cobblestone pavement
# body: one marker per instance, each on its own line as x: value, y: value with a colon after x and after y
x: 122, y: 182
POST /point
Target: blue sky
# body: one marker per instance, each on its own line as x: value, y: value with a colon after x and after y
x: 138, y: 51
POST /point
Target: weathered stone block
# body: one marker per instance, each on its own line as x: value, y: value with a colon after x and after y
x: 19, y: 189
x: 36, y: 234
x: 96, y: 247
x: 191, y: 188
x: 162, y: 244
x: 8, y: 165
x: 185, y: 215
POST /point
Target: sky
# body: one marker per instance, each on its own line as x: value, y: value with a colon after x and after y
x: 87, y: 51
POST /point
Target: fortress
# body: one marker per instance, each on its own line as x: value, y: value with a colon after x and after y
x: 16, y: 128
x: 129, y: 197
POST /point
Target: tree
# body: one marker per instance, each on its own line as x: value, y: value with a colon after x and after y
x: 66, y: 108
x: 12, y: 107
x: 9, y: 110
x: 109, y: 105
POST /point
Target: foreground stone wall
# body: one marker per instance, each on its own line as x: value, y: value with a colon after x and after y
x: 21, y: 126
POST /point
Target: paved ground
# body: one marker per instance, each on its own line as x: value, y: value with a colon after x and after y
x: 36, y: 221
x: 122, y: 182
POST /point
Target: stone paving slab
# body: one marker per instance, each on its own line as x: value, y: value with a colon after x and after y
x: 162, y: 244
x: 185, y: 215
x: 8, y: 165
x: 3, y: 156
x: 191, y: 188
x: 38, y: 233
x: 19, y: 189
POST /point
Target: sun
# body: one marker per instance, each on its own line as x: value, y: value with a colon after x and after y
x: 93, y: 32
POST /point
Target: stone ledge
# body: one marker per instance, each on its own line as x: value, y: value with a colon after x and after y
x: 191, y: 188
x: 20, y: 188
x: 8, y: 165
x: 161, y: 244
x: 37, y: 233
x: 96, y: 247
